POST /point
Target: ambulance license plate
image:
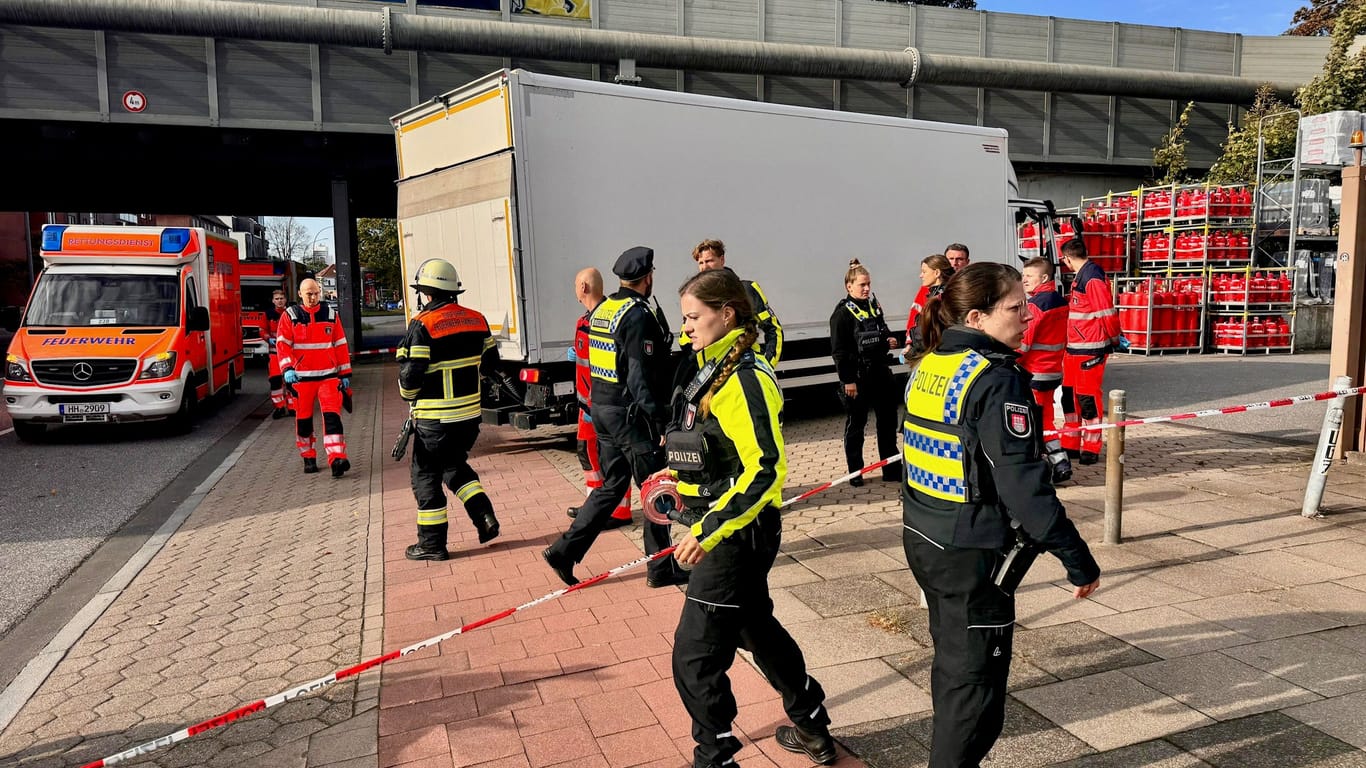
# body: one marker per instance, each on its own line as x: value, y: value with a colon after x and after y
x: 83, y: 409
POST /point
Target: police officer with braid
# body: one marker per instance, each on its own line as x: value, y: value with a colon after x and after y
x: 441, y: 363
x: 629, y: 360
x: 726, y: 455
x: 978, y: 501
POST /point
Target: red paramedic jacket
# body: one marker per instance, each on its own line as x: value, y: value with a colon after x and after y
x: 1092, y: 320
x: 583, y: 373
x: 1045, y: 337
x: 922, y: 297
x: 312, y: 343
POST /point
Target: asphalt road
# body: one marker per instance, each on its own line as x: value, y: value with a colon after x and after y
x: 65, y: 496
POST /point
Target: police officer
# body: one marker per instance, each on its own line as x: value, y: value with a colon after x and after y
x: 441, y: 361
x: 711, y: 254
x: 977, y: 483
x: 859, y: 341
x: 725, y: 450
x: 631, y: 368
x: 316, y: 362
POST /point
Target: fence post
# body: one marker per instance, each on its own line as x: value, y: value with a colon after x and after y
x: 1328, y: 445
x: 1114, y: 468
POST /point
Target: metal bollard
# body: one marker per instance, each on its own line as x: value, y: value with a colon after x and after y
x: 1323, y: 459
x: 1114, y: 468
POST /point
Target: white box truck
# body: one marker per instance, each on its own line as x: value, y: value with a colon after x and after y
x: 520, y: 180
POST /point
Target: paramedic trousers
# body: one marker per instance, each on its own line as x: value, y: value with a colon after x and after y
x: 628, y: 449
x: 441, y: 459
x: 328, y: 394
x: 972, y: 625
x: 1082, y: 401
x: 733, y: 610
x: 592, y: 466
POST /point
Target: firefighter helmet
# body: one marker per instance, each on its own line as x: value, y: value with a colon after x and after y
x: 437, y: 275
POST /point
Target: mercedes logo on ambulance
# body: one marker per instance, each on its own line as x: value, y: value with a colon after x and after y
x: 82, y: 371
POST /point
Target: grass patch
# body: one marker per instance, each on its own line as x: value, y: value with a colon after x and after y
x: 892, y: 620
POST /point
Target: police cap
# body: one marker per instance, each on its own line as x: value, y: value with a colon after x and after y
x: 634, y: 263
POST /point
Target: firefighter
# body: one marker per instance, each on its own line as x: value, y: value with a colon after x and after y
x: 1092, y: 334
x: 711, y: 254
x: 279, y: 396
x: 588, y: 291
x: 977, y: 482
x: 629, y: 358
x: 317, y: 365
x: 441, y: 363
x: 1041, y: 353
x: 859, y: 341
x: 726, y: 453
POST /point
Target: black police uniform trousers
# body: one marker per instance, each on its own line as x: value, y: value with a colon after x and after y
x: 441, y: 454
x: 972, y: 624
x: 627, y: 449
x: 876, y: 391
x: 709, y: 634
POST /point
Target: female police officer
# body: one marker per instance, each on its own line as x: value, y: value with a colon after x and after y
x: 975, y: 470
x: 726, y: 451
x: 859, y: 341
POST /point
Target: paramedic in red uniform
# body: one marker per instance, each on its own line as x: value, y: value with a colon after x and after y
x: 588, y: 290
x: 1041, y: 352
x: 284, y: 404
x: 1092, y: 334
x: 317, y: 365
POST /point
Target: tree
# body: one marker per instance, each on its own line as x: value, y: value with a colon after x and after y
x: 1238, y: 164
x: 286, y: 238
x: 1342, y: 84
x: 1170, y: 155
x: 1317, y: 18
x: 377, y: 249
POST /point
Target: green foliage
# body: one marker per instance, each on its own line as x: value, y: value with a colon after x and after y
x: 377, y: 248
x: 1317, y: 18
x: 1238, y: 165
x: 1342, y: 84
x: 1170, y: 156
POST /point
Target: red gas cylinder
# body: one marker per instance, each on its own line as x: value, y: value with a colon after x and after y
x: 1237, y: 333
x: 1221, y: 333
x: 1242, y: 248
x: 1139, y: 316
x: 1245, y: 202
x: 1218, y: 202
x: 1199, y: 205
x: 1218, y: 246
x: 1182, y: 208
x: 1256, y: 333
x: 1257, y: 293
x: 1282, y: 332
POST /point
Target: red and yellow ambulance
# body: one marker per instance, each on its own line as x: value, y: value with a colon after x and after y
x: 126, y: 324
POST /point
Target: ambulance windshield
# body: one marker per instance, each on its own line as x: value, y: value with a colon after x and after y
x: 67, y: 300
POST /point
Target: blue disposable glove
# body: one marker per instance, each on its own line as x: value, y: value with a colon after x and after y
x: 291, y: 376
x: 1124, y: 343
x: 345, y: 382
x: 572, y: 355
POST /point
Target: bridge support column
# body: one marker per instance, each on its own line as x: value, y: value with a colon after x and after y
x: 349, y: 287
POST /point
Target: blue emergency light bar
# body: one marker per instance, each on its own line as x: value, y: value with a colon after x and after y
x: 52, y: 236
x: 174, y: 240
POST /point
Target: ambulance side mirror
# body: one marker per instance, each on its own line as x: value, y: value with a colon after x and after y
x: 198, y: 320
x: 9, y: 318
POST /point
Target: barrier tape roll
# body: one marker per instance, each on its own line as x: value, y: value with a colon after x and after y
x: 342, y: 674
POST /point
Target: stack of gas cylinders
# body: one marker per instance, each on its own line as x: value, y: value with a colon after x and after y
x: 1260, y: 288
x: 1238, y: 334
x: 1197, y: 202
x: 1223, y: 245
x: 1106, y: 234
x: 1163, y: 314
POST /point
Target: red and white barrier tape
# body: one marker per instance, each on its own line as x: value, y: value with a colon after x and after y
x: 380, y: 351
x: 352, y: 671
x: 1296, y: 400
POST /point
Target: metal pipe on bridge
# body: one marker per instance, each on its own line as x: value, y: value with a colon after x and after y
x: 390, y: 31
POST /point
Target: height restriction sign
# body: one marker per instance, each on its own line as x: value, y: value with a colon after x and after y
x: 134, y: 101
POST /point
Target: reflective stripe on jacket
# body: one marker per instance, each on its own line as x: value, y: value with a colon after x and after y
x: 1045, y: 337
x: 1092, y: 320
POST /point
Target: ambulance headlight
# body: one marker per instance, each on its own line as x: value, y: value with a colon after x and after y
x: 16, y: 369
x: 158, y: 366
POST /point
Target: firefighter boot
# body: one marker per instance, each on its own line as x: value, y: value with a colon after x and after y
x: 339, y: 467
x: 278, y: 413
x: 818, y: 746
x: 487, y: 527
x: 431, y: 544
x: 310, y: 466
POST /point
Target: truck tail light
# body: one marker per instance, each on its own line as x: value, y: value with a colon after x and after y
x: 530, y: 375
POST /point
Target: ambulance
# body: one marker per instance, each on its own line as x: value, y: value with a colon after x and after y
x: 126, y: 324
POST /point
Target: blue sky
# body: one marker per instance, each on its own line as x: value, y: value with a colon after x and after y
x: 1249, y: 17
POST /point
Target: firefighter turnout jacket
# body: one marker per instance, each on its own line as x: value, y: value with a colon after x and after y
x: 442, y: 359
x: 1092, y: 320
x: 1045, y: 337
x: 628, y: 356
x: 974, y: 455
x: 312, y: 343
x: 771, y: 344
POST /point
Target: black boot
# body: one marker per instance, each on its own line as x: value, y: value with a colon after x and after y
x: 856, y: 481
x: 572, y: 512
x: 561, y: 566
x: 1088, y: 458
x: 310, y: 466
x: 818, y: 746
x: 278, y: 413
x: 891, y: 473
x: 488, y: 528
x: 424, y: 552
x: 339, y: 467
